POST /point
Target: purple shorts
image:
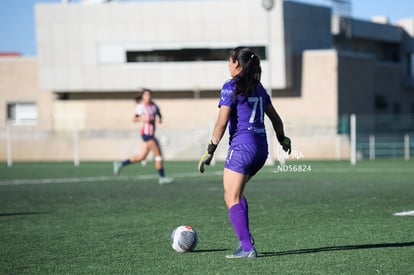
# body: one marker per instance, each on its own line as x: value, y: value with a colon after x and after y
x: 246, y: 159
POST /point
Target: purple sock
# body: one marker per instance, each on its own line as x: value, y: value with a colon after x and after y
x: 245, y: 206
x: 238, y: 218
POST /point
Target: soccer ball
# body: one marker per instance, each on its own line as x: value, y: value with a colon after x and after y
x: 184, y: 239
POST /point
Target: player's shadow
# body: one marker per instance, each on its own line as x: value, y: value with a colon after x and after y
x: 334, y: 248
x: 21, y: 214
x: 209, y: 250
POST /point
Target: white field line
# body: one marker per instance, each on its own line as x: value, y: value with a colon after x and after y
x: 188, y: 175
x: 363, y: 170
x: 339, y: 170
x: 98, y: 179
x: 405, y: 213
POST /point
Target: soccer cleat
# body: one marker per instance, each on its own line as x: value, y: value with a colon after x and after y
x: 243, y: 254
x: 240, y: 248
x: 117, y: 168
x: 165, y: 180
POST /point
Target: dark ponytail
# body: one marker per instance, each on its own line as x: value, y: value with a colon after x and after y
x: 138, y: 97
x: 249, y: 77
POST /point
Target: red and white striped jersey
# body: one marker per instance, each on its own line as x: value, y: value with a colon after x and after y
x: 147, y: 110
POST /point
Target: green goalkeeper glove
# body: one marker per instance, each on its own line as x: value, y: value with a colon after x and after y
x: 207, y: 157
x: 286, y: 144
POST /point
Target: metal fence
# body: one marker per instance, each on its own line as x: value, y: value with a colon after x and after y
x: 376, y: 136
x: 383, y: 136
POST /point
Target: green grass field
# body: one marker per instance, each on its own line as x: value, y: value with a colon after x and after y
x: 335, y: 219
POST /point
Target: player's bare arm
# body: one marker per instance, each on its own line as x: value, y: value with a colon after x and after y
x: 221, y: 124
x: 219, y: 129
x: 159, y: 116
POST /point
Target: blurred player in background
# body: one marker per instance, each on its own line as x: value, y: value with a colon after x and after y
x: 146, y: 112
x: 243, y: 103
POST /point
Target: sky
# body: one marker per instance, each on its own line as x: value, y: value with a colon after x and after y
x: 17, y: 29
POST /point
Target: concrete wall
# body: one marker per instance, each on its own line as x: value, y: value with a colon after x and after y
x: 389, y: 84
x: 331, y: 82
x: 306, y: 27
x: 82, y: 47
x: 311, y: 120
x: 19, y: 83
x: 73, y: 39
x: 356, y: 77
x: 105, y: 130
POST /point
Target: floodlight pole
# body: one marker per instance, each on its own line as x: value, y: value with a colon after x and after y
x: 268, y: 6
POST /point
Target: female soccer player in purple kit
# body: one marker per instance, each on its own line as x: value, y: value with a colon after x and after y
x: 243, y: 103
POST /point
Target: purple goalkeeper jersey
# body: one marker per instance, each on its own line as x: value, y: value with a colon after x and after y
x: 246, y: 123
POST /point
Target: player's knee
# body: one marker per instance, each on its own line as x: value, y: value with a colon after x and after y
x: 231, y: 200
x: 158, y: 158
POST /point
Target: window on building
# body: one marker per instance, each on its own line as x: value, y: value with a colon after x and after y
x: 186, y: 55
x: 410, y: 65
x: 390, y: 52
x: 22, y: 113
x: 382, y: 51
x: 380, y: 103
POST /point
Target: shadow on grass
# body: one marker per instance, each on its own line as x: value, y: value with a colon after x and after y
x: 334, y: 248
x: 21, y: 214
x: 209, y: 250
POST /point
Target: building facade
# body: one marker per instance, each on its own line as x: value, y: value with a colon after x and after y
x: 92, y: 58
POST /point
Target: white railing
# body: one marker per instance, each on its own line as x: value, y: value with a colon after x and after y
x: 311, y: 139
